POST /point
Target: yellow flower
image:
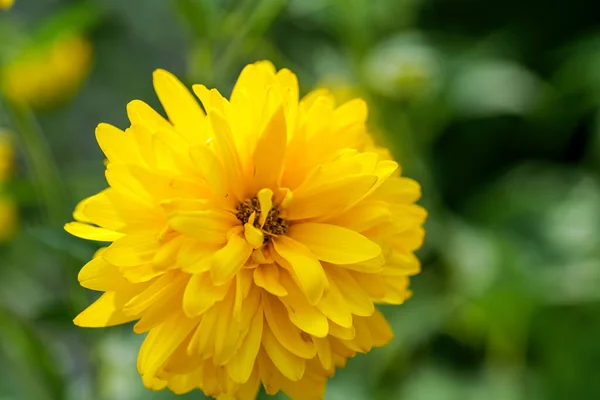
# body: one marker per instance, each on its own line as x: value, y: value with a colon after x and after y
x: 8, y: 217
x: 8, y: 212
x: 251, y: 237
x: 43, y: 76
x: 6, y: 155
x: 6, y: 4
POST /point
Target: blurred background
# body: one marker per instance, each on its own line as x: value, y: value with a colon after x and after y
x: 494, y: 106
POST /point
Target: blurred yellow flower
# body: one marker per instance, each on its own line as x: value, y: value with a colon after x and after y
x: 251, y: 237
x: 6, y: 4
x: 8, y: 212
x: 46, y: 75
x: 6, y: 155
x: 8, y: 217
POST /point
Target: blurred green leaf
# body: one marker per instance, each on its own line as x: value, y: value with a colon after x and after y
x: 202, y: 17
x: 31, y: 361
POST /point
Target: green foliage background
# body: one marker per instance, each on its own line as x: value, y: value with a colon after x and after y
x: 492, y: 105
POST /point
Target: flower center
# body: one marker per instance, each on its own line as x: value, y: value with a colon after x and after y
x: 273, y: 224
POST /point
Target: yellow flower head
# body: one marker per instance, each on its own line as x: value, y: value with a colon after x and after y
x: 6, y: 156
x: 8, y: 212
x: 6, y: 4
x: 251, y: 237
x: 46, y: 75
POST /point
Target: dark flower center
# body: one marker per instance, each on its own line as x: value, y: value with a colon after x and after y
x: 274, y: 225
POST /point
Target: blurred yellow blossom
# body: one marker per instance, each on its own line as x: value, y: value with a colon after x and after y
x: 8, y: 213
x: 6, y: 155
x: 8, y: 217
x: 47, y: 74
x: 6, y: 4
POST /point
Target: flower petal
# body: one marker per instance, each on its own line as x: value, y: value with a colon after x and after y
x: 333, y: 306
x: 241, y: 365
x: 161, y: 343
x: 306, y: 317
x: 286, y: 333
x: 328, y: 198
x: 156, y: 292
x: 355, y: 296
x: 207, y: 226
x: 101, y: 275
x: 334, y: 244
x: 226, y: 262
x: 133, y: 250
x: 290, y: 365
x: 117, y: 146
x: 90, y: 232
x: 270, y: 152
x: 183, y: 110
x: 108, y: 309
x: 228, y: 153
x: 266, y: 276
x: 306, y: 268
x: 201, y: 294
x: 140, y: 113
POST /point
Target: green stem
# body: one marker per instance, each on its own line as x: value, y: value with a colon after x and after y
x: 49, y: 185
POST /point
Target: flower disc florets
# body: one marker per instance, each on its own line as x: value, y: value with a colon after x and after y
x: 251, y: 238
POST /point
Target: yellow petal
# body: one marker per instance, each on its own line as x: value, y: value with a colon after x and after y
x: 228, y: 261
x: 227, y: 332
x: 183, y: 110
x: 253, y: 235
x: 241, y: 365
x: 334, y: 244
x: 99, y: 210
x: 340, y: 332
x: 228, y: 154
x: 265, y: 199
x: 161, y: 342
x: 306, y: 317
x: 350, y: 113
x: 270, y: 152
x: 398, y: 189
x: 100, y: 275
x: 156, y: 292
x: 160, y: 311
x: 324, y: 352
x: 355, y: 296
x: 108, y: 309
x: 306, y: 268
x: 140, y: 113
x: 118, y: 146
x: 120, y: 178
x: 207, y: 226
x: 210, y: 168
x: 290, y: 365
x: 203, y: 340
x: 141, y: 273
x: 333, y: 306
x: 362, y: 341
x: 201, y: 294
x: 194, y: 256
x: 380, y: 329
x: 266, y: 276
x: 249, y: 389
x: 90, y: 232
x: 328, y: 198
x: 133, y: 249
x: 284, y: 331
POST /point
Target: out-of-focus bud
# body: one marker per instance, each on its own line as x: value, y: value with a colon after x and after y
x: 44, y: 75
x: 6, y: 4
